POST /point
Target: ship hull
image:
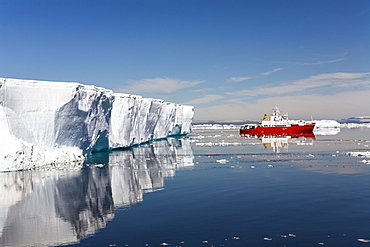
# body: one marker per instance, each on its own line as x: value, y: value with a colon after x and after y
x: 308, y: 135
x: 293, y: 129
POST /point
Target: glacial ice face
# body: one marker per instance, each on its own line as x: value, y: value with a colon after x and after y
x: 17, y: 154
x: 54, y: 122
x: 84, y: 120
x: 137, y: 120
x: 56, y: 113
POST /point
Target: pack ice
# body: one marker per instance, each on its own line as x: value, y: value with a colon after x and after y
x: 43, y: 122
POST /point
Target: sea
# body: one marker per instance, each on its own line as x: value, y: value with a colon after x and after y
x: 213, y: 187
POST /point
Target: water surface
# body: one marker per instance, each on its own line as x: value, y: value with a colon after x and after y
x: 212, y: 188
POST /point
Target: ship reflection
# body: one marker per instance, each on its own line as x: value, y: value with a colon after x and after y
x: 280, y: 141
x: 48, y: 208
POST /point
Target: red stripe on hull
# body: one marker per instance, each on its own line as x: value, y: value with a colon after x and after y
x: 278, y: 130
x: 309, y: 135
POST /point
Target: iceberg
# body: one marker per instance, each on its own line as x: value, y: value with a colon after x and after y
x: 44, y: 122
x: 320, y: 124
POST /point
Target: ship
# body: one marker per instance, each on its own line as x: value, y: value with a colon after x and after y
x: 277, y: 124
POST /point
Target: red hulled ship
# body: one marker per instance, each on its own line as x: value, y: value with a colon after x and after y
x: 277, y: 123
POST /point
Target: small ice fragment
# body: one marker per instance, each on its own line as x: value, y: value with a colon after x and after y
x: 363, y: 240
x: 236, y: 238
x: 292, y: 235
x: 165, y: 244
x: 310, y: 155
x: 267, y: 239
x: 222, y: 161
x: 270, y: 166
x: 321, y: 244
x: 205, y: 242
x: 253, y: 167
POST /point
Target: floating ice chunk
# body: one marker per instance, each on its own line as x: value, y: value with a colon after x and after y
x: 267, y: 239
x: 222, y: 161
x: 359, y: 154
x: 326, y: 124
x: 363, y: 240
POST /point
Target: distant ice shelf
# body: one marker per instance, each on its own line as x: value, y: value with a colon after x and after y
x: 43, y: 122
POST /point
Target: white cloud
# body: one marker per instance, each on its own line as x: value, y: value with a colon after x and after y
x: 324, y: 62
x: 272, y: 71
x: 353, y: 101
x: 333, y: 79
x: 239, y: 79
x: 157, y: 85
x: 343, y: 105
x: 315, y: 63
x: 206, y: 99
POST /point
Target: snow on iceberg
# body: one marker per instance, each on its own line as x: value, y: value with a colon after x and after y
x: 45, y: 122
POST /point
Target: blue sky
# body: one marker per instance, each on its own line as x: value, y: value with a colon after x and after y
x: 232, y: 60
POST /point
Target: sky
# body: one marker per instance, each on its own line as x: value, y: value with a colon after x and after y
x: 231, y: 60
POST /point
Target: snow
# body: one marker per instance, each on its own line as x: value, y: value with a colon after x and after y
x: 47, y: 122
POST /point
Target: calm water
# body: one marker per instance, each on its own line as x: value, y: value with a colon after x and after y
x: 212, y: 188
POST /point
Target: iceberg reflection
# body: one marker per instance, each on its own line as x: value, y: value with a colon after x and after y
x: 46, y: 208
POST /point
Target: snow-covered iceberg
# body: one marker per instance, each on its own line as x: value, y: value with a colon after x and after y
x: 321, y: 124
x: 43, y: 122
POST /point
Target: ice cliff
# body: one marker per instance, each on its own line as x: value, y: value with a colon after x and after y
x: 43, y: 122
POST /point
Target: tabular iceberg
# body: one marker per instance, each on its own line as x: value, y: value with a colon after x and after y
x: 44, y: 122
